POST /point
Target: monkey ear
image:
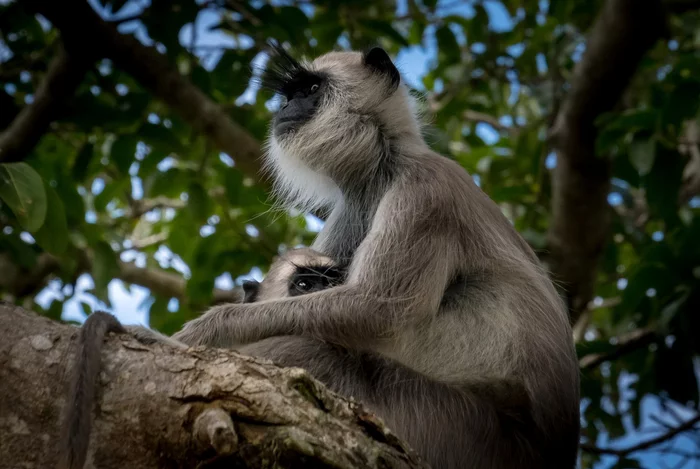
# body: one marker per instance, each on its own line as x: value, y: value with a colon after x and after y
x: 378, y: 60
x: 250, y: 290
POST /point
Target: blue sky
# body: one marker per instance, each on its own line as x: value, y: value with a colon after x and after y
x: 129, y: 304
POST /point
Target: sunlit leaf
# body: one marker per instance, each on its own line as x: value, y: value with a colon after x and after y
x: 642, y: 155
x: 22, y: 189
x: 53, y: 234
x: 105, y: 268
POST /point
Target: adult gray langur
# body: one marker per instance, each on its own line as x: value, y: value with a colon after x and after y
x: 438, y: 280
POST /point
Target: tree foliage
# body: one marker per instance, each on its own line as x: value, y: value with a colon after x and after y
x: 124, y: 186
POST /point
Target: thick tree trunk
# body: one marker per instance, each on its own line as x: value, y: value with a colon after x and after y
x: 622, y: 34
x: 156, y: 406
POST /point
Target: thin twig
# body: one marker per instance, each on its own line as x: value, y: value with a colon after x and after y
x: 688, y: 425
x: 627, y: 343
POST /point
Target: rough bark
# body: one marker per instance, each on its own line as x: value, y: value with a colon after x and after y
x: 158, y: 407
x: 621, y: 35
x: 64, y: 75
x: 153, y: 71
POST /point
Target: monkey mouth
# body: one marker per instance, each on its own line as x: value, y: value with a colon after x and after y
x: 286, y: 125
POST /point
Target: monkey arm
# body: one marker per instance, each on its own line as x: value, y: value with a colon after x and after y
x: 327, y: 314
x: 382, y: 294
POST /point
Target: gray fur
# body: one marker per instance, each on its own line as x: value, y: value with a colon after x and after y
x: 438, y: 282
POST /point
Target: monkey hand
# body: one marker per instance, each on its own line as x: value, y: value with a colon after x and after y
x: 221, y: 326
x: 149, y: 336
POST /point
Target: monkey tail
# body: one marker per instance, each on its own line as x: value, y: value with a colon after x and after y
x: 75, y: 430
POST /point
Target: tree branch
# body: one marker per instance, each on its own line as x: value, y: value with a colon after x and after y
x: 621, y: 35
x: 141, y: 207
x: 65, y: 73
x: 153, y: 71
x: 627, y: 343
x: 165, y: 407
x: 435, y: 105
x: 487, y: 119
x: 645, y: 444
x: 20, y: 282
x: 169, y: 285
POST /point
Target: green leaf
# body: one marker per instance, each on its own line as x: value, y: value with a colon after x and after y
x: 415, y: 33
x: 22, y: 189
x: 53, y: 234
x: 675, y: 371
x: 385, y: 29
x: 183, y: 235
x: 663, y: 183
x: 82, y: 161
x: 105, y: 268
x: 642, y: 154
x: 55, y: 310
x: 233, y: 183
x: 478, y: 30
x: 112, y: 190
x: 170, y: 183
x: 198, y: 201
x: 159, y: 137
x: 447, y: 44
x: 593, y: 347
x: 627, y: 463
x: 294, y: 21
x: 682, y: 104
x: 115, y: 5
x: 23, y: 254
x: 123, y: 152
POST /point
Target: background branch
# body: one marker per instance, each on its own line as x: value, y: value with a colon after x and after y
x: 626, y: 343
x: 21, y: 283
x: 687, y: 426
x: 621, y: 35
x: 169, y: 285
x: 64, y: 75
x: 153, y: 71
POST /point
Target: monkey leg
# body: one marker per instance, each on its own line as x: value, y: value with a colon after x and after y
x: 488, y: 425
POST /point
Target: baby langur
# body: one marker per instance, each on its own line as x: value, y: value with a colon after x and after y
x: 446, y: 324
x: 297, y: 272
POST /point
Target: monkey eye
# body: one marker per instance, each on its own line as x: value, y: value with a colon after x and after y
x: 303, y: 285
x: 314, y: 88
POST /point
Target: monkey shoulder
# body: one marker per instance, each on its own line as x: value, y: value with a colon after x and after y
x: 432, y: 196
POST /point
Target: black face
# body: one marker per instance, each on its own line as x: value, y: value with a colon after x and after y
x: 300, y: 100
x: 299, y: 88
x: 314, y: 278
x: 305, y: 280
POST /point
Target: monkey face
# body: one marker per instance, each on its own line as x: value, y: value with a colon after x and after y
x: 297, y: 272
x: 339, y: 117
x: 336, y: 88
x: 300, y: 100
x: 303, y: 280
x: 310, y: 279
